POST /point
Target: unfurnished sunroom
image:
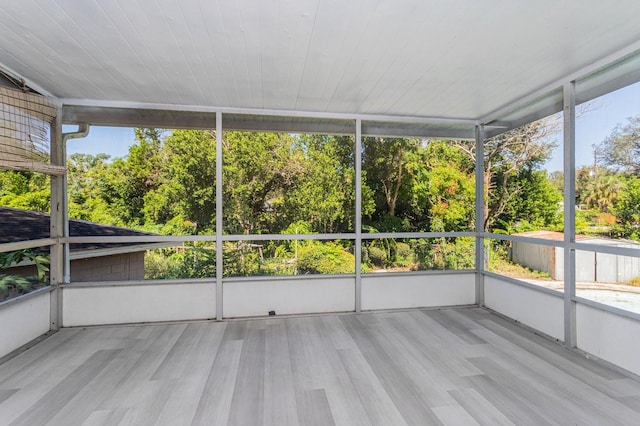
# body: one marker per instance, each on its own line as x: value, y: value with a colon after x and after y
x: 331, y: 195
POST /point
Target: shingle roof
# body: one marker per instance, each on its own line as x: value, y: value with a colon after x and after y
x: 22, y: 225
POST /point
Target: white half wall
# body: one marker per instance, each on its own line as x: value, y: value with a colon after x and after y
x: 304, y: 295
x: 536, y: 309
x: 24, y: 320
x: 609, y: 336
x: 122, y: 304
x: 382, y: 291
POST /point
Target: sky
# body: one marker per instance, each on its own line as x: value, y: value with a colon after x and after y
x: 114, y: 141
x: 602, y: 115
x: 592, y: 127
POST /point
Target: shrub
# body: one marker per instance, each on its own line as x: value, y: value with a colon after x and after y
x: 403, y: 250
x: 377, y: 256
x: 325, y: 258
x: 10, y: 284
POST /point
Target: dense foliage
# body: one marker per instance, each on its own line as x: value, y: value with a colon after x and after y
x: 305, y: 184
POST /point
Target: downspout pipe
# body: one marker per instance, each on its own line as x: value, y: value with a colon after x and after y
x: 82, y: 132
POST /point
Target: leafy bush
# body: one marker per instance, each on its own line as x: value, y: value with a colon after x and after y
x: 325, y: 258
x: 10, y: 283
x: 161, y: 264
x: 446, y: 253
x: 403, y: 250
x: 377, y: 256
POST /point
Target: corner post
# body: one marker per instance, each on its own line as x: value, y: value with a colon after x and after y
x: 58, y: 220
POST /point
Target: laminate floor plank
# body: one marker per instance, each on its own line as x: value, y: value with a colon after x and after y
x: 449, y: 356
x: 396, y: 379
x: 455, y: 415
x: 512, y: 406
x: 313, y: 408
x: 380, y: 408
x: 431, y: 380
x: 632, y: 402
x: 247, y: 404
x: 343, y: 397
x: 534, y: 343
x: 215, y: 402
x: 174, y: 365
x: 543, y: 378
x: 479, y: 408
x: 567, y: 362
x: 521, y: 388
x: 6, y: 394
x: 27, y: 360
x: 279, y: 387
x: 448, y: 366
x: 47, y: 406
x: 194, y: 369
x: 105, y: 417
x: 451, y: 322
x: 143, y: 361
x: 112, y: 380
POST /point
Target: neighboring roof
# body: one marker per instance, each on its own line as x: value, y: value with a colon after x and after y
x: 464, y: 59
x: 550, y: 235
x: 22, y: 225
x: 559, y: 236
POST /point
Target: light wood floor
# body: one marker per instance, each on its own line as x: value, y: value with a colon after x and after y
x: 419, y: 367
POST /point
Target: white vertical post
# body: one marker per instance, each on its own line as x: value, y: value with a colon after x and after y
x: 57, y: 223
x: 219, y: 262
x: 480, y: 193
x: 358, y: 214
x: 569, y: 144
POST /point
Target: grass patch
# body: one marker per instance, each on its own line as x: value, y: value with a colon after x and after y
x: 635, y: 282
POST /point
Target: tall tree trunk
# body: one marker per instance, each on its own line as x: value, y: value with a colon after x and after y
x: 392, y: 195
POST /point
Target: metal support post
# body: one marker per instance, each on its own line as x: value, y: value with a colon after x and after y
x: 480, y: 194
x: 219, y: 262
x: 569, y: 143
x: 358, y: 219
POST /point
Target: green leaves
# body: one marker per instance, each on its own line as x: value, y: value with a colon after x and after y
x: 19, y: 284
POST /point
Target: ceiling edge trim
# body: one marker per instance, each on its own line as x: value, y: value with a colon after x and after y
x: 269, y: 112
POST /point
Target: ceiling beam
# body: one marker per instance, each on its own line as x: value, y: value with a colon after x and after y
x: 183, y: 119
x: 135, y: 117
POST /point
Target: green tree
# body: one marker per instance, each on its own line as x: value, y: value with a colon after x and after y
x: 186, y: 185
x: 259, y: 168
x: 602, y: 191
x: 385, y: 161
x: 507, y: 155
x: 621, y: 149
x: 627, y: 209
x: 447, y: 186
x: 539, y: 205
x: 127, y: 180
x: 324, y: 192
x: 25, y: 190
x: 85, y: 179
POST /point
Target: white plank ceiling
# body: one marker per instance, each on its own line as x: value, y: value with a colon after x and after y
x: 415, y: 58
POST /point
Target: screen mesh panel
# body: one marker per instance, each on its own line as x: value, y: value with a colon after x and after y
x: 24, y: 131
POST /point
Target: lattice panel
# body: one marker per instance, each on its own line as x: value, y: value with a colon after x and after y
x: 24, y: 131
